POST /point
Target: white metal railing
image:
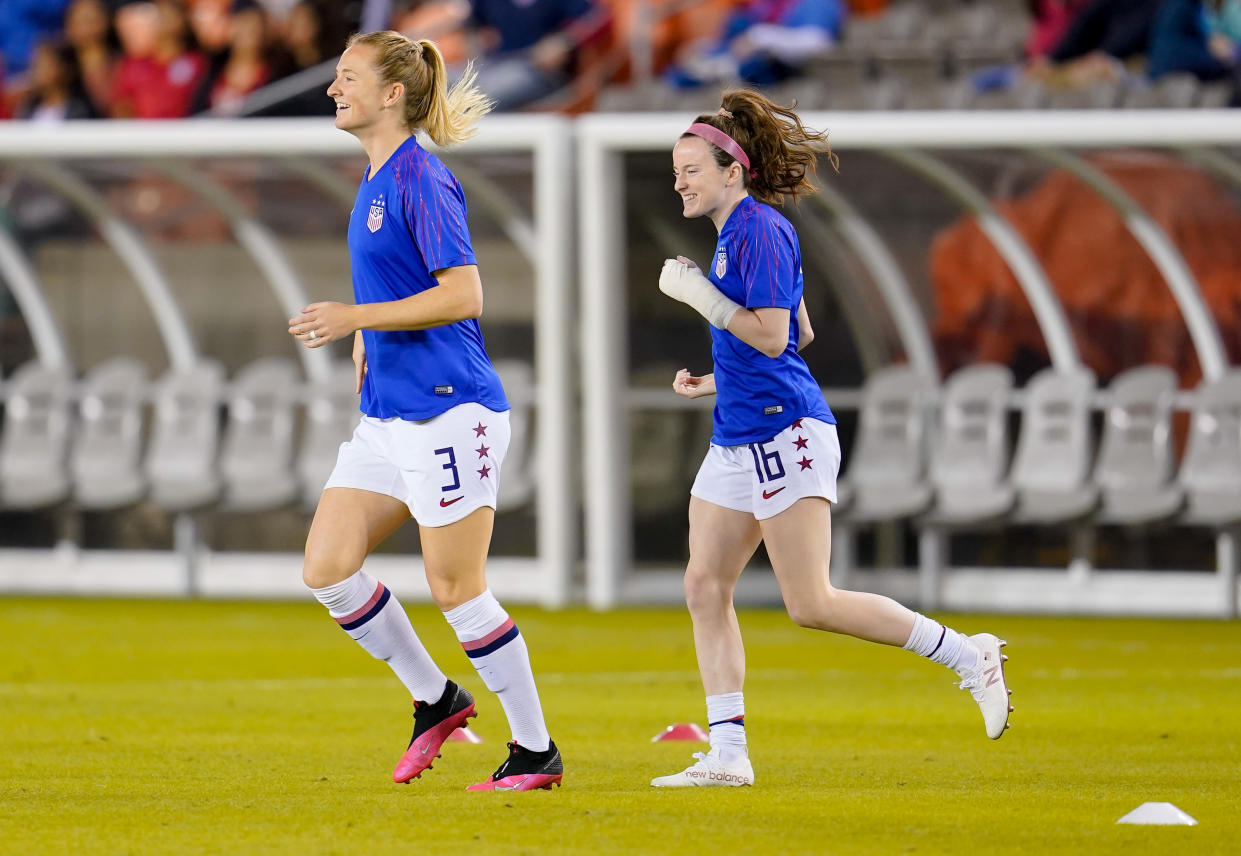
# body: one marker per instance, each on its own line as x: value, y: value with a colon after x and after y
x: 602, y: 139
x: 580, y: 162
x: 51, y: 153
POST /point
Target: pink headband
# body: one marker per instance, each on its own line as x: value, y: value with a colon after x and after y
x: 715, y: 136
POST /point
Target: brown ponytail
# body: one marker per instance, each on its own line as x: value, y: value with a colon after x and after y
x: 780, y: 148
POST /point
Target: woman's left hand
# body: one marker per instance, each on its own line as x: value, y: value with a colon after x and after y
x: 321, y: 323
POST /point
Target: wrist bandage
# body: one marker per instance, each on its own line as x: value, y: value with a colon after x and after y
x: 688, y: 285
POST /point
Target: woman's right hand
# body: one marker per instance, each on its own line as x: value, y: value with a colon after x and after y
x: 690, y: 386
x: 359, y: 361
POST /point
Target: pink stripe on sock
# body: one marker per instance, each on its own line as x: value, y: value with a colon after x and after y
x: 475, y: 644
x: 358, y: 613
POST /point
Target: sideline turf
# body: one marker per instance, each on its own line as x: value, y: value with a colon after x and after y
x: 169, y: 728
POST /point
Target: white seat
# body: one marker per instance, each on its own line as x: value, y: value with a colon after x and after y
x: 1051, y: 469
x: 1134, y: 471
x: 180, y: 463
x: 256, y: 461
x: 1211, y: 472
x: 106, y: 461
x: 885, y: 479
x: 331, y: 415
x: 35, y: 443
x: 969, y: 460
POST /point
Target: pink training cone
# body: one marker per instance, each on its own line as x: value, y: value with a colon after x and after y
x: 690, y: 731
x: 464, y: 735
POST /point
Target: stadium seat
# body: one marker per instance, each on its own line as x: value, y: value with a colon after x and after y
x: 1175, y: 91
x: 35, y: 443
x: 256, y: 461
x: 885, y: 479
x: 106, y: 461
x: 181, y: 457
x: 1051, y: 469
x: 970, y: 457
x: 1211, y: 472
x: 331, y: 415
x: 1134, y: 471
x: 518, y: 476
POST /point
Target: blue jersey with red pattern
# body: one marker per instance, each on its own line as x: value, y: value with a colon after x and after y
x: 757, y: 264
x: 409, y: 220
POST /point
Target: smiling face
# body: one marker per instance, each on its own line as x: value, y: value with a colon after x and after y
x: 705, y: 188
x: 358, y: 92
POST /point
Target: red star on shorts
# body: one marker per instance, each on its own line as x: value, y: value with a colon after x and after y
x: 480, y: 430
x: 482, y: 474
x: 800, y: 442
x: 805, y: 462
x: 797, y: 425
x: 483, y: 451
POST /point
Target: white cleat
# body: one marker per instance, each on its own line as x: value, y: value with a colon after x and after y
x: 987, y: 684
x: 710, y: 771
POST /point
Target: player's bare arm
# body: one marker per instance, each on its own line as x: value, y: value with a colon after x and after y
x: 765, y: 329
x: 805, y: 331
x: 457, y: 297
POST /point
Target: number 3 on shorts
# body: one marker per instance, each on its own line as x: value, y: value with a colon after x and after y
x: 767, y: 460
x: 452, y: 466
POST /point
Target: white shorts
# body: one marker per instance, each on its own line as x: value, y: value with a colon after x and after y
x: 764, y: 479
x: 443, y: 468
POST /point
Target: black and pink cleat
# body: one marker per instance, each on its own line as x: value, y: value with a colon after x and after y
x: 525, y: 771
x: 433, y: 723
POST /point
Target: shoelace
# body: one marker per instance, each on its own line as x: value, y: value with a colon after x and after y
x: 499, y: 774
x: 973, y: 683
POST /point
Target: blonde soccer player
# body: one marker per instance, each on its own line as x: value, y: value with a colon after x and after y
x: 435, y: 425
x: 770, y: 471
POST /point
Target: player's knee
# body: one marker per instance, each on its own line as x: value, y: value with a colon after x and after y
x: 816, y: 614
x: 326, y: 567
x: 704, y: 591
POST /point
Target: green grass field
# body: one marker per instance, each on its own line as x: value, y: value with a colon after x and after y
x: 169, y: 728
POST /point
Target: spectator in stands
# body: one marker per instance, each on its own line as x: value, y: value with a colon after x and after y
x: 1049, y: 21
x: 159, y: 72
x: 1182, y: 43
x: 23, y: 25
x: 764, y: 42
x: 303, y: 37
x: 531, y: 45
x: 88, y: 31
x: 1101, y: 38
x: 55, y: 91
x: 1224, y: 24
x: 247, y: 65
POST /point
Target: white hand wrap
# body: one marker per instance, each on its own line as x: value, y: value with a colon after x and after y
x: 686, y: 284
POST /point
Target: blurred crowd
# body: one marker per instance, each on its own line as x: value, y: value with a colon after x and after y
x: 172, y: 58
x: 74, y: 59
x: 1078, y: 42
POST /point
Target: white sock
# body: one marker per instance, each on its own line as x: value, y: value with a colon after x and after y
x: 942, y: 644
x: 371, y: 614
x: 726, y: 718
x: 498, y: 651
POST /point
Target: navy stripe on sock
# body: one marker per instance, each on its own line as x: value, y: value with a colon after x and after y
x: 739, y: 720
x: 942, y: 632
x: 494, y: 646
x: 371, y: 613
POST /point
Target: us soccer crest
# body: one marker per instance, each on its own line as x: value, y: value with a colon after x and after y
x: 376, y: 218
x: 721, y: 264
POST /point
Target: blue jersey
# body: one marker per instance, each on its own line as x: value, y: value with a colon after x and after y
x: 408, y: 221
x: 757, y: 263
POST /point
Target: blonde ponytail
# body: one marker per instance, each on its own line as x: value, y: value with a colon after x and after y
x: 446, y: 115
